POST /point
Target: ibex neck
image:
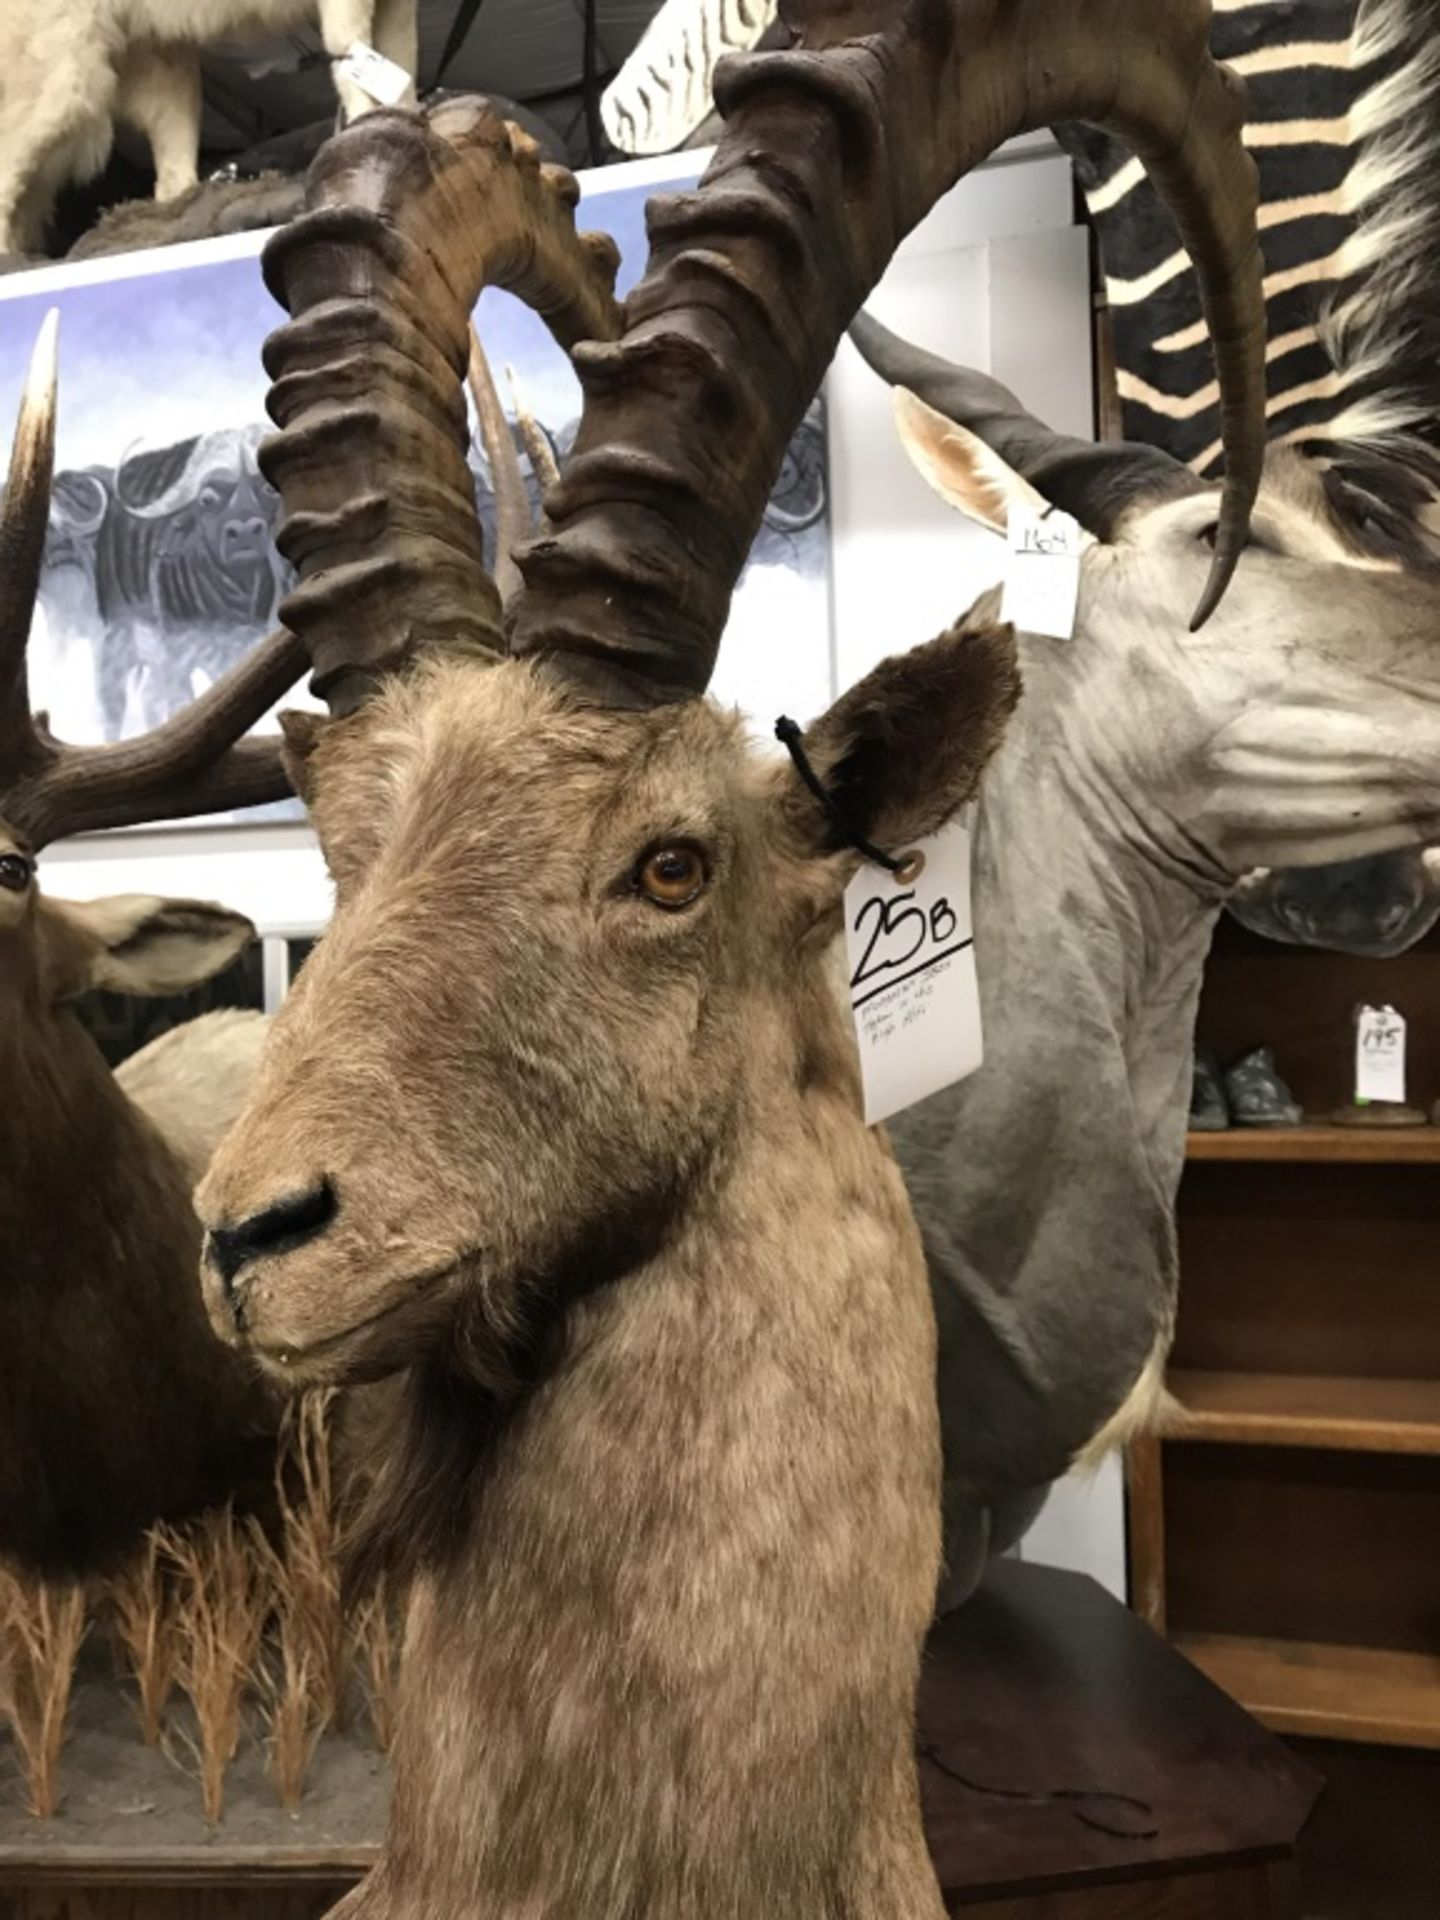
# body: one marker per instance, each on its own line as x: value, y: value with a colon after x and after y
x: 672, y: 1669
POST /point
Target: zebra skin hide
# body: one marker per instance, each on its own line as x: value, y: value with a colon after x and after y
x: 662, y: 94
x: 1345, y: 129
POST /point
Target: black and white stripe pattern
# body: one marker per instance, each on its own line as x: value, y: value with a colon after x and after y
x: 1345, y: 129
x: 663, y: 91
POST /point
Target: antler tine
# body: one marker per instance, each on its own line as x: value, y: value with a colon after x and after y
x: 512, y: 503
x: 195, y: 763
x: 24, y: 521
x: 538, y: 450
x: 833, y: 151
x: 409, y: 216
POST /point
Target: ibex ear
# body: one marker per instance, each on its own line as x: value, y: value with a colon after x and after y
x: 960, y: 467
x: 906, y: 746
x: 140, y: 944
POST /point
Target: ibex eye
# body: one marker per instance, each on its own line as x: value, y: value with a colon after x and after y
x: 672, y: 877
x: 15, y: 872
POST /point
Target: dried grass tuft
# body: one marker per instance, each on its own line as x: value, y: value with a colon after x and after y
x: 377, y: 1636
x: 42, y: 1626
x: 142, y: 1611
x: 292, y: 1724
x: 226, y: 1591
x: 310, y: 1515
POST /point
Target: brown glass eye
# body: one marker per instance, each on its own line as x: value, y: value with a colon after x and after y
x: 15, y: 872
x: 672, y: 876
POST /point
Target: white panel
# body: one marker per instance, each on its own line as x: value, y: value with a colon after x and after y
x: 906, y: 565
x: 273, y: 874
x: 1083, y: 1527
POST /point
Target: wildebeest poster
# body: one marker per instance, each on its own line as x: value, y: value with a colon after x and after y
x: 160, y: 569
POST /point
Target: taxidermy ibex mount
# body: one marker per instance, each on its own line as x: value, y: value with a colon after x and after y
x: 562, y: 1116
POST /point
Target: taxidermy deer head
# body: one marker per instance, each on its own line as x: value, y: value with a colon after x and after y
x: 117, y: 1404
x: 1150, y: 767
x: 562, y: 1114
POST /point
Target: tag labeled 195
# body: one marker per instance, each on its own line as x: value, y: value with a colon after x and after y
x: 910, y: 954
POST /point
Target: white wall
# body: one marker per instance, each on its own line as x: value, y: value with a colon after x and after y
x: 996, y: 278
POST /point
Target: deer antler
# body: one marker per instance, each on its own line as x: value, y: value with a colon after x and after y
x: 832, y: 153
x: 195, y: 763
x: 409, y: 217
x: 24, y: 519
x: 192, y: 764
x: 512, y: 503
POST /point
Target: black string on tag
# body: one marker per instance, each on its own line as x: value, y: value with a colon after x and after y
x: 906, y: 867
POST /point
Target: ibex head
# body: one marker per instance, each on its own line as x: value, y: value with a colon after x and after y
x: 1301, y: 726
x: 580, y: 929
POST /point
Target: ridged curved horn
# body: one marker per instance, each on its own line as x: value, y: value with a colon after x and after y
x: 408, y: 217
x: 833, y: 151
x: 1093, y: 480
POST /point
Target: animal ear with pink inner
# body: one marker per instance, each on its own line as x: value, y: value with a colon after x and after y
x: 136, y: 943
x: 906, y: 746
x: 960, y: 467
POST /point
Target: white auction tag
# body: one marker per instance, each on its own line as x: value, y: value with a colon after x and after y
x: 1042, y: 572
x: 910, y: 961
x: 382, y: 79
x: 1380, y: 1055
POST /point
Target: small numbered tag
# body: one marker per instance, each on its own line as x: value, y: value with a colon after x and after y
x: 1042, y: 572
x: 1380, y: 1055
x: 382, y: 79
x: 910, y: 956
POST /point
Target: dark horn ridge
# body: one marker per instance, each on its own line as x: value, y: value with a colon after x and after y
x: 753, y: 278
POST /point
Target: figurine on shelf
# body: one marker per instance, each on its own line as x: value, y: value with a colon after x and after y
x: 1257, y: 1095
x: 1209, y: 1109
x: 1248, y: 1094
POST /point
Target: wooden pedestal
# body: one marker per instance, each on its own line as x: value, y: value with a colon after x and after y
x: 1073, y: 1767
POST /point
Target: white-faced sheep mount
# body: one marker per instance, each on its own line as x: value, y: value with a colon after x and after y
x: 562, y: 1117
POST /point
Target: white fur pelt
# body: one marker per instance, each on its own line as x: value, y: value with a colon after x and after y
x: 71, y: 68
x: 663, y: 91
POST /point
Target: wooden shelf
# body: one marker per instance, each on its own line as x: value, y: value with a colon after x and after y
x: 1376, y: 1694
x: 1308, y: 1410
x: 1377, y: 1146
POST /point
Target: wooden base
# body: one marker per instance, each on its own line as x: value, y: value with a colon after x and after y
x: 1073, y: 1767
x: 1076, y: 1768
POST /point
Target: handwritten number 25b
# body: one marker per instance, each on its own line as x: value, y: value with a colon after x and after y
x: 898, y: 930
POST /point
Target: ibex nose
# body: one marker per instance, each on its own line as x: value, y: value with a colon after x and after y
x: 279, y: 1228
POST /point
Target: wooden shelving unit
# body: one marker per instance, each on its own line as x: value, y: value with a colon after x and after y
x: 1286, y: 1533
x: 1344, y: 1411
x: 1376, y: 1147
x: 1326, y: 1692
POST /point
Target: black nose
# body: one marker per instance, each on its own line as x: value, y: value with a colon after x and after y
x: 290, y: 1223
